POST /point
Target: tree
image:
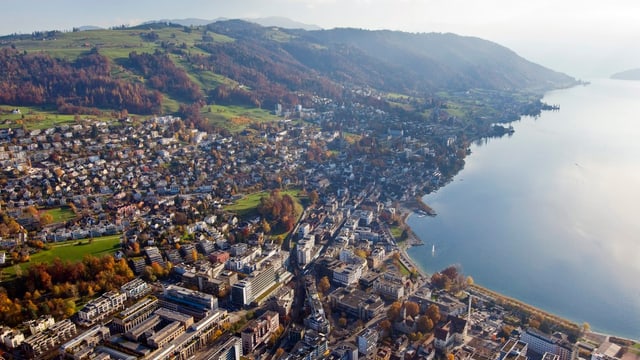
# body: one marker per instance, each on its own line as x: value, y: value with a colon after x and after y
x: 394, y: 311
x: 266, y: 227
x: 148, y: 274
x: 385, y: 325
x: 46, y: 219
x: 360, y: 253
x: 324, y: 285
x: 433, y: 312
x: 534, y: 322
x: 425, y: 324
x: 412, y: 308
x: 279, y: 353
x: 450, y: 356
x: 313, y: 197
x: 506, y: 331
x: 342, y: 322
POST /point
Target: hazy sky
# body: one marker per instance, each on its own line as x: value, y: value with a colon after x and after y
x: 583, y: 38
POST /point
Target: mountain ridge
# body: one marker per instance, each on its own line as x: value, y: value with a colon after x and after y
x: 277, y: 21
x: 166, y: 65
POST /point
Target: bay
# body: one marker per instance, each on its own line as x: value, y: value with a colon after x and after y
x: 550, y: 215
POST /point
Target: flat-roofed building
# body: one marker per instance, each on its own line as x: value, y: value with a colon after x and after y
x: 98, y: 309
x: 136, y: 288
x: 165, y: 335
x: 36, y: 345
x: 348, y: 275
x: 40, y: 324
x: 389, y: 286
x: 367, y: 341
x: 11, y: 338
x: 541, y: 343
x: 150, y: 323
x: 192, y: 302
x: 356, y: 303
x: 229, y: 347
x: 514, y: 349
x: 250, y: 288
x: 258, y: 331
x: 134, y: 315
x: 83, y: 345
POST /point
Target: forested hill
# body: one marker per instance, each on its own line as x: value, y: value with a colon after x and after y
x: 157, y: 67
x: 399, y: 61
x: 632, y: 74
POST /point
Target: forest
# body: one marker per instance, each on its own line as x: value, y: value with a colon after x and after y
x: 56, y: 287
x: 81, y: 86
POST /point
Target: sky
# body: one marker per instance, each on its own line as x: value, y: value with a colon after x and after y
x: 583, y: 38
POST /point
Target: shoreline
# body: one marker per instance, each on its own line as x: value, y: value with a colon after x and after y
x: 407, y: 209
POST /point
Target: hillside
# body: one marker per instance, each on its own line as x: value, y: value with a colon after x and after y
x: 169, y: 68
x: 632, y: 74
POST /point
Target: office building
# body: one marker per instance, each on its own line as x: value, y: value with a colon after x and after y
x: 258, y: 331
x: 134, y: 315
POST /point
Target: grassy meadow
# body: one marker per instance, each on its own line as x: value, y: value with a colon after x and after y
x: 73, y: 250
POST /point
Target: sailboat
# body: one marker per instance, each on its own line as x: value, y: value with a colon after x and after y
x: 433, y: 249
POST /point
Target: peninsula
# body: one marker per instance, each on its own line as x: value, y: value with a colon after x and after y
x: 632, y: 74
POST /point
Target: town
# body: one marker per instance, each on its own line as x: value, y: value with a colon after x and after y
x: 315, y: 268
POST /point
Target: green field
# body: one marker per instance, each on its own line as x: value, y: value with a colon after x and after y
x: 403, y: 269
x: 61, y: 214
x: 396, y: 232
x: 117, y: 45
x: 247, y: 206
x: 35, y: 117
x: 236, y: 118
x: 72, y: 251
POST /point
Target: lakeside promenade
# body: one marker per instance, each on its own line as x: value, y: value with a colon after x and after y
x: 407, y: 210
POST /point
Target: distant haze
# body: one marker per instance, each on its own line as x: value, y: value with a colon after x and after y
x: 581, y: 38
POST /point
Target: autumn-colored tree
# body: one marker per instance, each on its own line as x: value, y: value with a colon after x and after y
x: 450, y: 356
x: 360, y: 253
x: 266, y: 227
x: 412, y: 308
x: 279, y: 353
x: 135, y: 248
x: 324, y: 284
x: 433, y: 312
x: 394, y: 311
x: 158, y: 271
x: 385, y: 325
x: 535, y: 322
x: 313, y: 197
x: 46, y: 219
x: 342, y: 322
x: 506, y: 331
x: 148, y: 274
x: 425, y: 324
x: 31, y: 210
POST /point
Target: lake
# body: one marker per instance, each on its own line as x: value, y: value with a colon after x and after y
x: 550, y: 215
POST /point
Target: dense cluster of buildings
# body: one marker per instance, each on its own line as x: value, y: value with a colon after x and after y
x: 147, y: 180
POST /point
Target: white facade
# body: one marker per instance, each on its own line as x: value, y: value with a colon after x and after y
x: 367, y: 341
x: 348, y: 275
x: 99, y: 308
x: 541, y: 343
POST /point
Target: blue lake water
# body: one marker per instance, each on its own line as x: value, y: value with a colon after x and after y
x: 551, y: 215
